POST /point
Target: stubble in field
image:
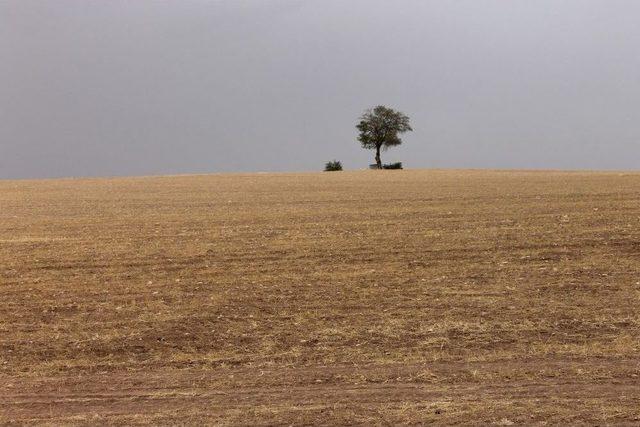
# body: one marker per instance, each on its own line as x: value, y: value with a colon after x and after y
x: 352, y: 297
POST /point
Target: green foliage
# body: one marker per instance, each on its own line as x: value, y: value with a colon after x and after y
x: 379, y: 128
x: 333, y: 166
x: 396, y: 165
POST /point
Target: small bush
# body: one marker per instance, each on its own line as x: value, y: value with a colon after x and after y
x: 397, y: 165
x: 333, y: 166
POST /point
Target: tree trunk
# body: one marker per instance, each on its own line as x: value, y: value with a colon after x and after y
x: 378, y: 161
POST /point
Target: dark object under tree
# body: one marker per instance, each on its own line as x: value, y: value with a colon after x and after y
x: 396, y: 165
x: 379, y: 129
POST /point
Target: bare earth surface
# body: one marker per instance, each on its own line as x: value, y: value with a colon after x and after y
x: 371, y: 297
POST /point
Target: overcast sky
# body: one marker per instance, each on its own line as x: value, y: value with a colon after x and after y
x: 95, y: 88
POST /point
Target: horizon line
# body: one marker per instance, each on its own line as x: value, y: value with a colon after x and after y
x: 197, y: 174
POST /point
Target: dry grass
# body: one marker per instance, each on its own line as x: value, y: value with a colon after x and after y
x: 375, y: 297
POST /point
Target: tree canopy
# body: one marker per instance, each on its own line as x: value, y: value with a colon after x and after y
x: 380, y: 127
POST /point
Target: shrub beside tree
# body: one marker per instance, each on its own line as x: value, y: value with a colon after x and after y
x: 333, y: 166
x: 396, y: 165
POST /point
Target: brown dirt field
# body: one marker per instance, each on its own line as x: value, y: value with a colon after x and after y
x: 370, y: 297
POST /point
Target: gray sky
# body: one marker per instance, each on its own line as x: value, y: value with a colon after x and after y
x: 149, y: 87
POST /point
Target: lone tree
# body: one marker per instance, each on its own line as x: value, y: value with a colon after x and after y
x: 379, y: 128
